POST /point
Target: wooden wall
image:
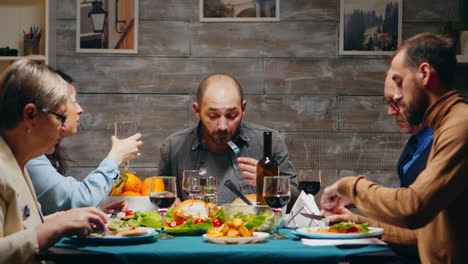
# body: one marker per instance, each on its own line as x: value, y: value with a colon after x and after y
x: 328, y: 107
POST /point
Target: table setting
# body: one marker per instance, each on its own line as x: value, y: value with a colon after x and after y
x: 233, y: 232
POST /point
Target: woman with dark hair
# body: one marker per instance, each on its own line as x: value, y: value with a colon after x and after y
x: 56, y: 192
x: 33, y: 114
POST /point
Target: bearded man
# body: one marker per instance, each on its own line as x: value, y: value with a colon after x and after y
x: 220, y: 107
x: 430, y: 214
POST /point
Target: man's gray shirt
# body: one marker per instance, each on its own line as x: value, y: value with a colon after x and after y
x: 183, y: 150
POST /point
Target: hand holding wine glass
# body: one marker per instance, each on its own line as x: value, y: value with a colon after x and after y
x: 277, y: 193
x: 163, y: 193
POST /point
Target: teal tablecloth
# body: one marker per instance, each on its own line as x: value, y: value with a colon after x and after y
x: 195, y: 249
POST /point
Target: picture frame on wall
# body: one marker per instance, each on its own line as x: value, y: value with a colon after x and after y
x: 239, y: 10
x: 370, y: 27
x: 107, y: 26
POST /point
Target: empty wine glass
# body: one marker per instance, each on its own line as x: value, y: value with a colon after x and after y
x: 192, y: 184
x: 277, y: 193
x: 162, y: 193
x: 125, y: 129
x: 310, y: 181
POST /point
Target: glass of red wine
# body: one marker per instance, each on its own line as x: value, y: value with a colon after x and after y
x: 310, y: 181
x: 276, y: 194
x: 163, y: 193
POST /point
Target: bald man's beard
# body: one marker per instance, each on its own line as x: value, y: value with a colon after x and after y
x: 219, y: 137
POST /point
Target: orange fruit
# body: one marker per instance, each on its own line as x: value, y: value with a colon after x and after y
x: 129, y: 193
x: 133, y: 184
x: 157, y: 186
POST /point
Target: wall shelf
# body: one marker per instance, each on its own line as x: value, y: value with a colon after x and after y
x: 16, y: 17
x: 14, y: 58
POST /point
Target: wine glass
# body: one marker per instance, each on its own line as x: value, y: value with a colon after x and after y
x: 125, y: 129
x: 192, y: 184
x: 210, y: 190
x: 277, y: 193
x: 162, y: 193
x: 310, y: 181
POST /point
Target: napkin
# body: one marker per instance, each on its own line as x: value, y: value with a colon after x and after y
x: 337, y: 242
x: 304, y: 202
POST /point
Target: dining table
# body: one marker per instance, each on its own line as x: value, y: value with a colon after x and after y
x: 196, y: 249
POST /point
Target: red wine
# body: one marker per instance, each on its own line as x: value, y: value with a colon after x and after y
x: 162, y: 201
x: 277, y: 201
x: 267, y: 166
x: 312, y: 187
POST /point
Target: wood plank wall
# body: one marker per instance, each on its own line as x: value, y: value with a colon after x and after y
x: 328, y: 107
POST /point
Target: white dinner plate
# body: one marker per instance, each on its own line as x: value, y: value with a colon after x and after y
x: 258, y: 237
x: 310, y: 232
x: 117, y: 239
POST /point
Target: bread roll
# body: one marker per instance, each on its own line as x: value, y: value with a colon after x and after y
x: 252, y: 197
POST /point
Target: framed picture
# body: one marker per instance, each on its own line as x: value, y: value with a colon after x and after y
x: 239, y: 10
x: 370, y: 27
x: 107, y: 26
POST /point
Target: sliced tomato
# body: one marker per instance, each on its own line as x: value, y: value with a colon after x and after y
x: 172, y: 223
x: 352, y: 229
x: 199, y: 220
x: 128, y: 213
x: 217, y: 222
x: 181, y: 222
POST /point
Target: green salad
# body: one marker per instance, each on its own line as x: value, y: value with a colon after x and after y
x: 262, y: 222
x: 153, y: 219
x: 351, y: 227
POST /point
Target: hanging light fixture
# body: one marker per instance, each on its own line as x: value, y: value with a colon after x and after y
x: 98, y: 16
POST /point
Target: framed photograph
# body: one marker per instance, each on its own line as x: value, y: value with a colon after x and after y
x: 239, y: 10
x: 370, y: 27
x: 107, y: 26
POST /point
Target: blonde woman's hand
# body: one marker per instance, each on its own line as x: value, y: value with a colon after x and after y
x: 121, y: 206
x: 77, y: 221
x: 125, y: 149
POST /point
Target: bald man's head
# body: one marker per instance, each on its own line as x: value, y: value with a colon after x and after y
x: 219, y: 83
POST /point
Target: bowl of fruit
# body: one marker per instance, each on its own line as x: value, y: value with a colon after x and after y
x: 132, y: 189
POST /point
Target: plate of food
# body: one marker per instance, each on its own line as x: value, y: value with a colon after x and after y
x: 342, y: 230
x: 139, y: 234
x: 234, y: 232
x: 256, y: 238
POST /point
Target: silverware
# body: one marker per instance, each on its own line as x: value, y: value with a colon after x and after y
x: 234, y: 148
x: 321, y: 218
x: 234, y: 189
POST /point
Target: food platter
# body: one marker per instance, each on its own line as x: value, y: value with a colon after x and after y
x: 258, y: 237
x: 311, y: 232
x: 117, y: 239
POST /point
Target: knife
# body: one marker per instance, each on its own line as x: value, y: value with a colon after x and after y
x: 234, y: 189
x: 321, y: 218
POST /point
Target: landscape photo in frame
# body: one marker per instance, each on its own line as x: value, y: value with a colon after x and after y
x: 370, y: 27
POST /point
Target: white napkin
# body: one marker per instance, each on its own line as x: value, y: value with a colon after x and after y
x: 304, y: 201
x: 337, y: 242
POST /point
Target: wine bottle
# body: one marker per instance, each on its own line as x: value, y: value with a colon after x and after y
x: 267, y: 166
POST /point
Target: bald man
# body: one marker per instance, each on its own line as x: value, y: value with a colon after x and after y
x: 220, y: 107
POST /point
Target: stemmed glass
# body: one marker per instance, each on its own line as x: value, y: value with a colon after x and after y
x: 276, y: 193
x: 310, y: 181
x: 210, y: 192
x: 192, y: 184
x: 125, y: 129
x: 162, y: 193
